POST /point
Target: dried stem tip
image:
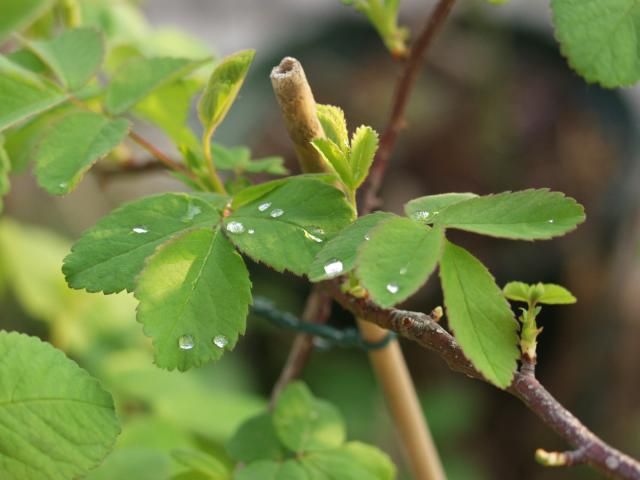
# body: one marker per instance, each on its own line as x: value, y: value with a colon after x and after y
x: 299, y: 111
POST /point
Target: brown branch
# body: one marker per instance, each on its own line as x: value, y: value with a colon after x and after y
x: 423, y: 329
x: 317, y: 310
x: 401, y: 96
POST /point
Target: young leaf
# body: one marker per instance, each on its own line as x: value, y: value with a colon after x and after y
x: 479, y: 315
x: 74, y: 55
x: 194, y: 295
x: 383, y: 15
x: 141, y: 76
x: 516, y: 291
x: 338, y: 256
x: 364, y: 144
x: 425, y: 209
x: 398, y: 259
x: 336, y: 158
x: 556, y: 295
x: 110, y: 255
x: 334, y: 125
x: 270, y: 470
x: 222, y: 89
x: 256, y: 440
x: 352, y: 461
x: 600, y: 39
x: 16, y: 16
x: 43, y: 391
x: 23, y: 95
x: 525, y: 215
x: 72, y: 145
x: 305, y: 424
x: 286, y: 226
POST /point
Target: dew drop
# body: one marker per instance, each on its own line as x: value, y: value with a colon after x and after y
x: 277, y: 212
x: 235, y: 227
x: 333, y: 268
x: 139, y: 229
x: 551, y: 221
x: 251, y: 231
x: 392, y: 288
x: 403, y: 270
x: 310, y: 236
x: 63, y: 185
x: 421, y: 215
x: 263, y: 206
x: 367, y: 237
x: 192, y: 212
x: 185, y: 342
x: 220, y: 341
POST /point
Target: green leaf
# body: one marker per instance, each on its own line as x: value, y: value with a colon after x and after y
x: 142, y: 76
x: 272, y: 165
x: 72, y: 145
x: 16, y: 16
x: 286, y: 226
x: 194, y: 295
x: 110, y: 255
x: 238, y: 159
x: 203, y: 463
x: 352, y: 461
x: 525, y: 215
x: 74, y: 55
x: 336, y: 158
x: 222, y: 89
x: 398, y: 259
x: 600, y: 39
x: 334, y: 125
x: 364, y: 145
x: 256, y: 440
x: 5, y: 168
x: 57, y: 422
x: 516, y: 291
x: 556, y: 295
x: 23, y: 95
x: 303, y: 423
x: 338, y: 256
x: 137, y: 463
x: 479, y: 315
x: 270, y: 470
x: 383, y: 15
x: 425, y: 209
x: 168, y: 107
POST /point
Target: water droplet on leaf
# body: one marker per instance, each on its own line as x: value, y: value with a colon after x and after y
x: 235, y: 227
x: 192, y: 212
x: 139, y: 229
x: 367, y: 237
x: 277, y: 212
x: 551, y: 221
x: 251, y: 231
x: 392, y: 288
x: 333, y: 268
x: 403, y: 270
x: 421, y: 215
x: 185, y: 342
x: 220, y: 341
x: 310, y: 236
x: 263, y: 206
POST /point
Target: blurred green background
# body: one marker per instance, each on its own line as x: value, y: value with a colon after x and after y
x: 496, y: 108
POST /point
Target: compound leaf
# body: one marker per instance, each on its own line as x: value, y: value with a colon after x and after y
x: 285, y: 226
x: 479, y: 315
x: 194, y: 295
x: 338, y: 256
x: 72, y: 145
x: 110, y: 255
x: 398, y: 259
x: 304, y: 423
x: 525, y: 215
x: 141, y: 76
x: 600, y: 39
x: 57, y: 422
x: 74, y: 55
x: 334, y: 125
